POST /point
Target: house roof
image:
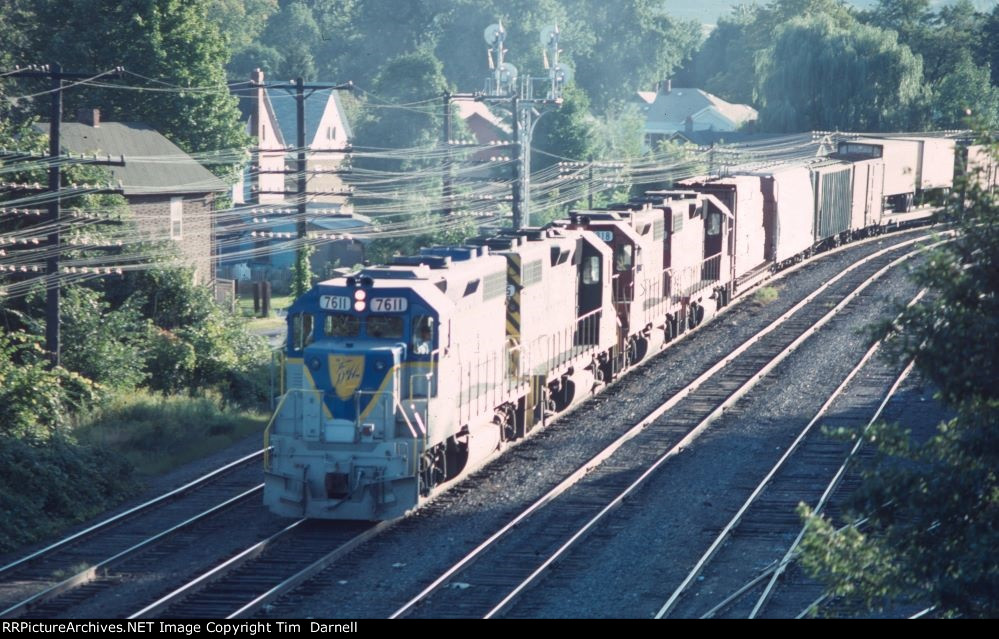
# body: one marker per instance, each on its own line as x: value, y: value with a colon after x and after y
x: 246, y: 106
x: 316, y: 103
x: 681, y: 103
x: 153, y: 164
x: 468, y: 109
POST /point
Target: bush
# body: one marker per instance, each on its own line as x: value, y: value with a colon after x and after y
x: 155, y: 433
x: 52, y: 484
x: 35, y: 399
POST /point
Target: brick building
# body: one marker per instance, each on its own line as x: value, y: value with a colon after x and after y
x: 171, y: 196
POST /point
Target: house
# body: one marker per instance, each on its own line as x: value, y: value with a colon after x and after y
x: 271, y: 119
x: 486, y: 128
x: 671, y: 110
x: 266, y: 232
x: 171, y: 196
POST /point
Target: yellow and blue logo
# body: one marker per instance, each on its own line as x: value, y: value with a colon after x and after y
x: 345, y: 374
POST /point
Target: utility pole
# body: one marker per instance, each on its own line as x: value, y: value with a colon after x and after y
x: 300, y: 165
x: 518, y: 168
x: 298, y: 89
x: 446, y: 137
x: 53, y: 292
x: 53, y: 284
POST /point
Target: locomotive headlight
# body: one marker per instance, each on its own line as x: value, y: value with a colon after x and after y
x: 359, y: 306
x: 379, y: 366
x: 314, y: 363
x: 360, y: 295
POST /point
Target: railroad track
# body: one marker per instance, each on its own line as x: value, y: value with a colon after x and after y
x: 247, y: 582
x: 487, y: 581
x: 28, y: 584
x: 766, y: 529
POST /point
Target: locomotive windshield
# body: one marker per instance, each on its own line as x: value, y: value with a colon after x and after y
x: 385, y: 327
x: 342, y: 325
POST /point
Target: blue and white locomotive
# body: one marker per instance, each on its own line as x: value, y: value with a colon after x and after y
x: 402, y: 377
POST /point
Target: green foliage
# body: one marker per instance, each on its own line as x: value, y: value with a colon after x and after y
x: 171, y: 362
x: 818, y: 75
x: 409, y: 78
x: 241, y: 21
x: 932, y: 507
x: 172, y: 41
x: 621, y: 47
x: 965, y: 95
x: 565, y: 133
x: 295, y: 34
x: 301, y: 273
x: 104, y: 345
x: 35, y: 399
x: 50, y: 485
x: 189, y: 320
x: 728, y: 62
x: 155, y: 432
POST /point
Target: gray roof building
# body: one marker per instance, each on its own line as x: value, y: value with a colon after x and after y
x: 153, y: 164
x: 690, y: 110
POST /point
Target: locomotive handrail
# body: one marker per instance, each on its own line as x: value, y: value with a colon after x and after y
x: 267, y: 432
x: 434, y: 362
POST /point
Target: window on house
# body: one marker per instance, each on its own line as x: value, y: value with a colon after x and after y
x: 176, y: 218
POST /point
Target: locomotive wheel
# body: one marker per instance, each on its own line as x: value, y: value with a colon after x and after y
x: 506, y: 419
x: 669, y: 329
x: 698, y: 313
x: 433, y: 469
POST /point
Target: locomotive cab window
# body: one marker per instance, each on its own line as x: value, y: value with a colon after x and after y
x: 302, y: 333
x: 422, y: 340
x: 591, y: 270
x: 384, y: 326
x: 624, y: 257
x: 714, y: 223
x: 342, y: 325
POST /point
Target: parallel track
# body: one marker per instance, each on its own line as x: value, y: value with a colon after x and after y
x: 505, y: 565
x: 81, y: 558
x: 766, y: 528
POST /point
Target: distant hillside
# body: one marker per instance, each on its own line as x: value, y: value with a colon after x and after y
x: 708, y: 11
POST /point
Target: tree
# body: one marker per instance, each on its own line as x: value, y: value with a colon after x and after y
x: 294, y: 33
x: 990, y: 43
x: 818, y: 75
x: 623, y: 47
x: 171, y: 41
x: 414, y: 79
x: 726, y: 64
x: 567, y: 132
x: 932, y: 508
x: 965, y: 94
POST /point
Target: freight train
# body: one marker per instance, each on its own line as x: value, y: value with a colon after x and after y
x: 403, y: 377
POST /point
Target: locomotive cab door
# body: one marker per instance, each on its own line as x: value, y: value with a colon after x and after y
x: 589, y: 292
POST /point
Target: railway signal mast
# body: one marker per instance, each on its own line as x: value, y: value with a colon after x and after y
x: 503, y: 86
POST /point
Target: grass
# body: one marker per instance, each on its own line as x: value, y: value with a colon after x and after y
x: 766, y: 295
x: 156, y: 434
x: 244, y: 306
x: 255, y: 324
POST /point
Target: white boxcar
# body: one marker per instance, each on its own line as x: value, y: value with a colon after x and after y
x: 982, y: 167
x: 868, y: 193
x: 901, y: 157
x: 789, y: 208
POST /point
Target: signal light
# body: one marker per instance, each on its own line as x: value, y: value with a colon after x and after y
x: 359, y: 306
x: 360, y: 295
